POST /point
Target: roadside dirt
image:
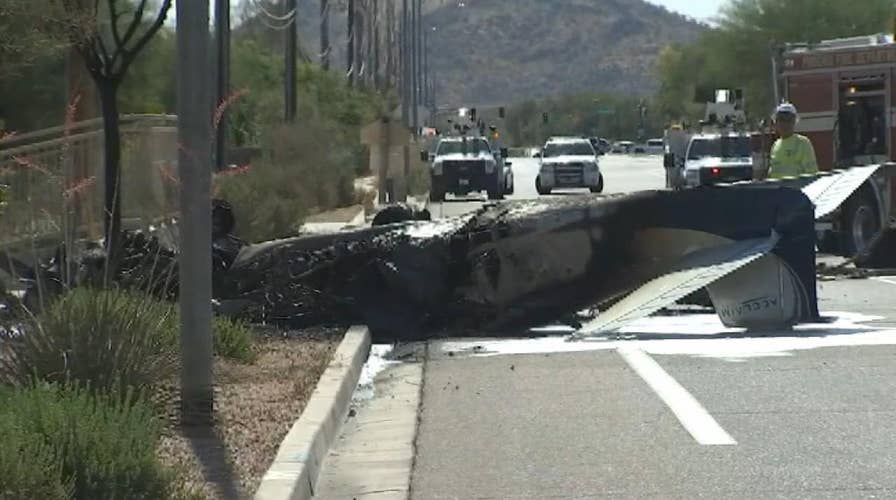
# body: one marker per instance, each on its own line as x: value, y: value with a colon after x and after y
x: 256, y: 406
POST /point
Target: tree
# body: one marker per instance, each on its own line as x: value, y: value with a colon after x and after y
x: 108, y: 49
x: 738, y: 52
x: 28, y: 32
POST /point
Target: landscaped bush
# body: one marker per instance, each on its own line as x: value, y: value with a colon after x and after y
x: 108, y: 340
x: 72, y: 443
x: 303, y: 171
x: 29, y: 467
x: 233, y: 339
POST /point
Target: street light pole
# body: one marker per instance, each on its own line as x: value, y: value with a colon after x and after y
x: 194, y: 168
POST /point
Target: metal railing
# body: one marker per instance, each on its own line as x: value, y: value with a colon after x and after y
x: 54, y: 177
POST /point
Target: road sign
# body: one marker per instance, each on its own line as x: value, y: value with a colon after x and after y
x: 606, y: 111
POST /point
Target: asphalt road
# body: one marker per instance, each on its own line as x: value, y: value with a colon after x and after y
x: 810, y: 412
x: 677, y: 407
x: 622, y: 174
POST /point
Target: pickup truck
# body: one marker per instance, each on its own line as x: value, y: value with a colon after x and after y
x: 464, y: 164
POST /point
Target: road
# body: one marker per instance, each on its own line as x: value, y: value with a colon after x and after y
x: 676, y: 407
x: 622, y: 174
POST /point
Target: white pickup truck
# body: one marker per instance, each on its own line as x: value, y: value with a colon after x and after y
x: 710, y: 159
x: 568, y: 162
x: 463, y: 165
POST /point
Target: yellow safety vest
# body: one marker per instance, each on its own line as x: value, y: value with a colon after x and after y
x: 791, y: 157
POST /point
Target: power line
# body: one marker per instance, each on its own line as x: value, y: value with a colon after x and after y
x: 289, y: 16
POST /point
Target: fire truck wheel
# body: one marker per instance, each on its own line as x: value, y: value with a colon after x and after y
x: 861, y: 225
x: 883, y: 256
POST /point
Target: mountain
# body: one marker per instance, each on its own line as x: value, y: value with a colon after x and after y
x: 488, y: 52
x: 494, y: 51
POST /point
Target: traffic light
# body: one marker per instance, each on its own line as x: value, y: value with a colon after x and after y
x: 501, y: 112
x: 544, y: 117
x: 472, y: 114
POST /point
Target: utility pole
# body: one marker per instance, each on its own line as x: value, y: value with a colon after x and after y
x: 222, y: 39
x: 419, y: 34
x: 350, y: 52
x: 427, y: 95
x: 360, y: 60
x: 415, y: 68
x: 195, y: 260
x: 325, y: 34
x: 377, y: 83
x: 292, y: 35
x: 390, y: 43
x: 405, y: 65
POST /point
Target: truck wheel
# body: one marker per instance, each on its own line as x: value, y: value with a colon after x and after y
x: 860, y: 225
x: 600, y: 185
x: 884, y: 254
x: 538, y: 187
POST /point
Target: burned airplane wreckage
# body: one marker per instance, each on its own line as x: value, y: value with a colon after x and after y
x: 515, y: 265
x: 511, y: 266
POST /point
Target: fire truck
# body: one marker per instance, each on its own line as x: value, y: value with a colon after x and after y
x: 845, y: 91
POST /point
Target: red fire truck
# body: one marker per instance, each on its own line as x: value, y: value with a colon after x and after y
x: 845, y: 91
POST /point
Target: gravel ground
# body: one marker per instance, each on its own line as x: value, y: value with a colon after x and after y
x: 256, y: 406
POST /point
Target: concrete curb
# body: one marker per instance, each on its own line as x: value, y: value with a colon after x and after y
x: 293, y: 474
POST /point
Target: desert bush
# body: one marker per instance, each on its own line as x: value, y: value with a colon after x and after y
x: 110, y: 340
x: 302, y: 172
x: 105, y: 339
x: 419, y: 180
x: 233, y: 339
x: 29, y: 467
x: 88, y: 446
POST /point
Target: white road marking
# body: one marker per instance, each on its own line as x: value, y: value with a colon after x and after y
x: 891, y: 281
x: 693, y: 417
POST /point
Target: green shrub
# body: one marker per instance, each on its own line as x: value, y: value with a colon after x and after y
x: 29, y: 467
x: 104, y: 339
x: 303, y: 171
x: 110, y: 340
x: 419, y: 180
x: 233, y: 339
x: 99, y: 447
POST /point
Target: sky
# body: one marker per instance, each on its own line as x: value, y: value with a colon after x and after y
x: 698, y: 9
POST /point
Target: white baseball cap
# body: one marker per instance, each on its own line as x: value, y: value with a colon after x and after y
x: 785, y: 108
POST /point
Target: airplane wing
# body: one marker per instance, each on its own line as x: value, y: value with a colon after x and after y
x: 691, y: 273
x: 830, y: 191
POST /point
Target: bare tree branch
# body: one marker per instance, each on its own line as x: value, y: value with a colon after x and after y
x: 147, y: 36
x: 113, y: 18
x: 135, y: 22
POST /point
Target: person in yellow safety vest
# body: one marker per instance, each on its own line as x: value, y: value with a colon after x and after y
x: 792, y: 154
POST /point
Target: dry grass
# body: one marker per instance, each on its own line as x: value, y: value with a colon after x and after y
x: 256, y: 406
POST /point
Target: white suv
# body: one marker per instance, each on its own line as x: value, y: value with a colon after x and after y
x: 568, y: 163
